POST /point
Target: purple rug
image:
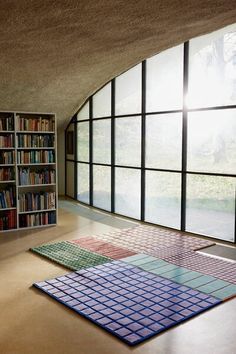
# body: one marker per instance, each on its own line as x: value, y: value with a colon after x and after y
x: 130, y: 303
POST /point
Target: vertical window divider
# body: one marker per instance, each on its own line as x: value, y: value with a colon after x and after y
x: 184, y: 137
x: 143, y: 140
x: 91, y: 151
x: 113, y: 145
x: 235, y: 216
x: 76, y: 159
x: 65, y: 142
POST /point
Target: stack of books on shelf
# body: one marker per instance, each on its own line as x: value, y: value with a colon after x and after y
x: 37, y: 219
x: 7, y: 198
x: 6, y: 141
x: 7, y: 157
x: 7, y: 174
x: 37, y: 201
x: 35, y: 140
x: 8, y: 220
x: 36, y: 156
x: 41, y: 176
x: 36, y: 124
x: 7, y: 123
x: 28, y: 180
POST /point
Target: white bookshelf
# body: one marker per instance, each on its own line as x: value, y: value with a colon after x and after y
x: 24, y: 213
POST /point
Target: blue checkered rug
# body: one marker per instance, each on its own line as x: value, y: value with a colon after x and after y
x: 130, y: 303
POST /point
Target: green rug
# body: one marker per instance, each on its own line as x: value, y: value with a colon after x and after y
x: 71, y: 256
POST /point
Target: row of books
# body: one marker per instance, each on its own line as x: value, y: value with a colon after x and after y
x: 36, y: 156
x: 35, y: 140
x: 37, y: 201
x: 7, y: 123
x: 37, y: 219
x: 7, y: 173
x: 40, y: 176
x: 7, y: 198
x: 36, y: 124
x: 7, y: 157
x: 6, y: 141
x: 8, y: 220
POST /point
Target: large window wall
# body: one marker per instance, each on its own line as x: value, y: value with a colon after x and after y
x: 158, y: 143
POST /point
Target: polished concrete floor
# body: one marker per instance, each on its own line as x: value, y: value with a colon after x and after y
x: 32, y: 323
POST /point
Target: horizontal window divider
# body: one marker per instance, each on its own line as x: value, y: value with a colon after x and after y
x: 128, y: 115
x: 129, y: 167
x: 162, y: 112
x: 101, y: 118
x: 213, y: 108
x: 82, y: 121
x: 101, y: 164
x: 162, y: 170
x: 211, y: 174
x: 85, y: 162
x: 157, y: 169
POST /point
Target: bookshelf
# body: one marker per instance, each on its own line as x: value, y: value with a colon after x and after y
x: 28, y: 170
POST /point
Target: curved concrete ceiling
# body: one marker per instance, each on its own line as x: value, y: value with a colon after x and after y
x: 54, y: 54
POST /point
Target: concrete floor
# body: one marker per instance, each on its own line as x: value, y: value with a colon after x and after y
x: 31, y: 322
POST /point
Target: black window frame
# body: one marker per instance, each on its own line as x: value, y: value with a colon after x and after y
x: 143, y: 114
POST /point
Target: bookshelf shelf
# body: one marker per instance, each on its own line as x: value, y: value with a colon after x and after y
x: 5, y: 209
x: 7, y: 148
x: 8, y: 181
x: 36, y: 185
x: 20, y: 130
x: 36, y: 148
x: 34, y: 132
x: 36, y: 211
x: 36, y: 164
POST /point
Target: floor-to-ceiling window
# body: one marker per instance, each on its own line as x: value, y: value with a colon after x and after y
x: 158, y: 142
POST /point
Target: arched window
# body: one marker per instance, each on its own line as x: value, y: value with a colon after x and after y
x: 158, y: 143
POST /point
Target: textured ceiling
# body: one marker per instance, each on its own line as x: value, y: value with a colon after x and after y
x: 54, y: 54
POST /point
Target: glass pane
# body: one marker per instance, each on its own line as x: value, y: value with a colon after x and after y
x: 163, y: 198
x: 128, y: 91
x: 164, y: 141
x: 102, y: 141
x: 165, y: 80
x: 211, y: 206
x: 102, y: 102
x: 212, y: 141
x: 70, y: 179
x: 83, y: 183
x: 83, y: 141
x: 212, y: 69
x: 83, y: 112
x: 70, y: 143
x: 102, y: 187
x: 127, y: 192
x: 128, y: 141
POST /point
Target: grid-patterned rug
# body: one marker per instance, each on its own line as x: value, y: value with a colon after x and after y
x: 103, y: 248
x: 149, y: 239
x: 195, y: 280
x: 130, y: 303
x: 219, y: 268
x: 69, y: 255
